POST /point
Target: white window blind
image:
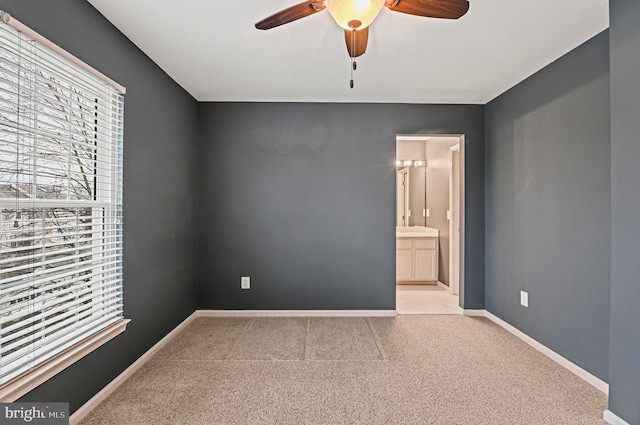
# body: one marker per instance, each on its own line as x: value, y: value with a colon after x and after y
x: 61, y: 200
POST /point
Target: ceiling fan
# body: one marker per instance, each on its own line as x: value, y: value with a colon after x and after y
x: 355, y: 16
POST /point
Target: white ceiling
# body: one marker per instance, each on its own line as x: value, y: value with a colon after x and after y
x: 212, y: 49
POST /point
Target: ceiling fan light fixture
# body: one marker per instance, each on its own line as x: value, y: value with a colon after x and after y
x: 354, y: 14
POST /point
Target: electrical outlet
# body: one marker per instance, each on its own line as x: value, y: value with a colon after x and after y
x: 524, y: 298
x: 245, y: 282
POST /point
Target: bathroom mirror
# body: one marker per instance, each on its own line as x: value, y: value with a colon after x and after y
x: 411, y: 195
x: 411, y: 160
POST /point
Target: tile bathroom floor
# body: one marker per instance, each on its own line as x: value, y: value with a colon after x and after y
x: 425, y: 299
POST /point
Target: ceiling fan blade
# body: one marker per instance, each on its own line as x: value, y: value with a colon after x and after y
x: 291, y: 14
x: 446, y: 9
x: 357, y: 46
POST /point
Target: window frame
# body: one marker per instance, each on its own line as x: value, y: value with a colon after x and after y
x: 19, y: 385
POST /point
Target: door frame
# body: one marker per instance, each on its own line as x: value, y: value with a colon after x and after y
x: 461, y: 144
x: 454, y: 226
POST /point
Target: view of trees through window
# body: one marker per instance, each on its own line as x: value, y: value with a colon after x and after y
x: 60, y: 225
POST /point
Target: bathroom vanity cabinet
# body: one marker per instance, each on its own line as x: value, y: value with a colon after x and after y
x: 416, y: 259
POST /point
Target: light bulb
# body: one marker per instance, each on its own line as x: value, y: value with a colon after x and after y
x: 407, y: 163
x: 354, y: 14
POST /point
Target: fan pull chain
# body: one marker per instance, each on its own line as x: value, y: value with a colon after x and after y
x: 353, y: 58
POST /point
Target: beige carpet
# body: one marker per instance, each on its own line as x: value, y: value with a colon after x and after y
x: 404, y: 370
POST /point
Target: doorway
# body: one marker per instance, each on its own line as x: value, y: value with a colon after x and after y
x: 429, y: 223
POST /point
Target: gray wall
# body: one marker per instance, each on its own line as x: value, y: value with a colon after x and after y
x: 159, y: 188
x: 313, y: 222
x: 301, y: 198
x: 548, y: 205
x: 624, y: 373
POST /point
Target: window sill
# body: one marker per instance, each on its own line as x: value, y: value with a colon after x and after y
x: 24, y: 383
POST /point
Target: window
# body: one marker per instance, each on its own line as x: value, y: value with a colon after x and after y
x: 61, y: 201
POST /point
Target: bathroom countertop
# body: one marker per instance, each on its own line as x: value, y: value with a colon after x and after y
x: 416, y: 232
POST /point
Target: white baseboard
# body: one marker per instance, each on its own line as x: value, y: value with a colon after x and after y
x: 296, y: 313
x: 572, y: 367
x: 473, y: 313
x: 86, y: 408
x: 443, y: 286
x: 567, y: 364
x: 613, y: 419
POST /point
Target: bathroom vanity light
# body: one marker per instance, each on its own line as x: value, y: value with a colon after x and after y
x: 409, y: 163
